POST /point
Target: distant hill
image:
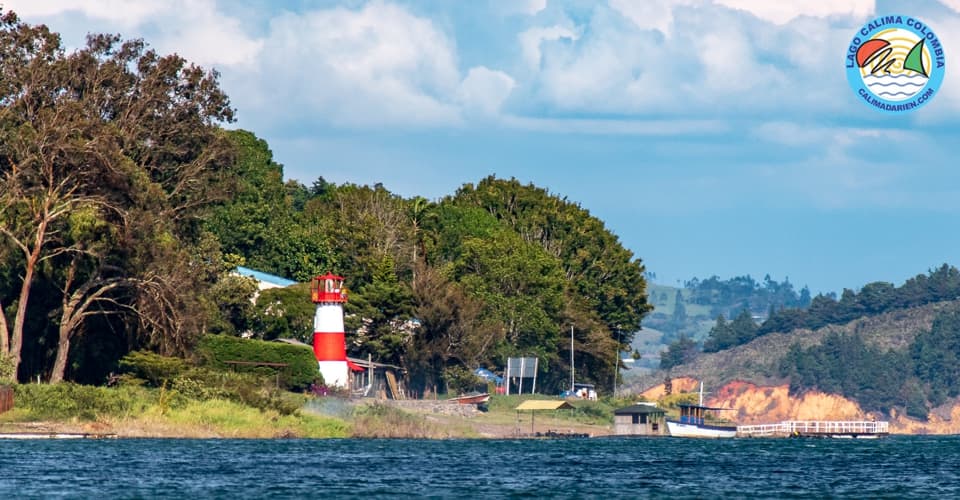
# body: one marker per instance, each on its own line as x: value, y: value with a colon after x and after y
x: 904, y: 359
x: 691, y: 311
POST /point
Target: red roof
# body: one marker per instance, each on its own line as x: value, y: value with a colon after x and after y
x: 330, y: 275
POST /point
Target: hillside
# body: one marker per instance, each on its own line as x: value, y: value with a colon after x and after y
x: 760, y: 361
x: 691, y: 311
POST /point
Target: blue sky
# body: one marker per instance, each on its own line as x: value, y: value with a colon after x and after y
x: 712, y: 136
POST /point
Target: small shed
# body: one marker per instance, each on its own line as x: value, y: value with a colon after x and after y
x: 641, y: 419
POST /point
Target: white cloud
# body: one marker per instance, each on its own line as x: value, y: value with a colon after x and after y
x: 379, y: 65
x: 531, y: 39
x: 666, y: 127
x: 650, y: 14
x: 531, y: 7
x: 122, y: 12
x: 713, y: 58
x: 953, y: 4
x: 837, y: 167
x: 197, y: 30
x: 792, y: 133
x: 660, y: 14
x: 730, y: 64
x: 944, y: 106
x: 484, y: 90
x: 516, y: 7
x: 383, y: 65
x: 202, y: 34
x: 781, y: 12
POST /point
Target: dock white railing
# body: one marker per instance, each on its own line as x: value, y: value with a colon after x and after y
x: 814, y: 427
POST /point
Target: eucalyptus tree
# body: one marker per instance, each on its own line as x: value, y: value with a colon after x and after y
x: 604, y: 288
x: 108, y: 155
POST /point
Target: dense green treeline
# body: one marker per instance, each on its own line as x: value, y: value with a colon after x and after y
x: 744, y: 293
x: 879, y: 297
x: 691, y: 310
x: 125, y: 205
x: 917, y: 378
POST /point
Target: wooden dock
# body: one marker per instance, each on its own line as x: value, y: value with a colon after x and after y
x: 55, y: 435
x: 865, y: 429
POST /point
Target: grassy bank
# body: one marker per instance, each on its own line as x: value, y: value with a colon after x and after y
x: 160, y: 412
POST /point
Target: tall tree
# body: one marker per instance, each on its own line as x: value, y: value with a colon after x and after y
x: 116, y: 133
x: 679, y: 311
x: 602, y: 278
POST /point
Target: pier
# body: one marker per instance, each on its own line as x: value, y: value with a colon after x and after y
x: 812, y: 428
x: 55, y: 435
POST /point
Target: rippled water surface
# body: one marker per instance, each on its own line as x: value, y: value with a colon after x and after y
x: 617, y: 468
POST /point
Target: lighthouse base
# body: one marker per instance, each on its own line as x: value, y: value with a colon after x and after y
x: 335, y: 373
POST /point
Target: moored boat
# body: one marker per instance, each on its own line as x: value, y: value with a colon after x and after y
x: 692, y: 424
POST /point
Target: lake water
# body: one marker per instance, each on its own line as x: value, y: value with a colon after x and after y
x: 575, y: 468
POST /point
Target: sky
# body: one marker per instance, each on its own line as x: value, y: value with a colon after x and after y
x: 713, y: 137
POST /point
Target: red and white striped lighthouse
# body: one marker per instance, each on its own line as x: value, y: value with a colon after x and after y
x: 329, y: 344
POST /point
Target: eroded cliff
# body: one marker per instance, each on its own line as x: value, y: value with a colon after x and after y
x: 753, y: 404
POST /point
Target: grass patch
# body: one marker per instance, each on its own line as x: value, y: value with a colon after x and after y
x: 133, y: 410
x: 230, y: 419
x: 383, y: 421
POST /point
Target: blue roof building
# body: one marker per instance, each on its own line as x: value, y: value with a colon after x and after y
x: 265, y: 280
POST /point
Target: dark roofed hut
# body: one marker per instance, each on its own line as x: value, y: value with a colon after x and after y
x: 640, y: 420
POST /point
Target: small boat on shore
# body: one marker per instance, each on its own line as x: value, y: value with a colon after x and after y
x: 471, y: 399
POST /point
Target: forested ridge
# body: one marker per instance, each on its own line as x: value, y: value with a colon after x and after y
x: 126, y: 203
x: 882, y: 375
x: 691, y: 310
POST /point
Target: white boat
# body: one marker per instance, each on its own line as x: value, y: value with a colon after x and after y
x: 692, y: 423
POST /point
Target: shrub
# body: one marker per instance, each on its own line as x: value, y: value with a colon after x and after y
x: 301, y: 371
x: 6, y: 365
x: 68, y: 400
x: 151, y: 367
x: 461, y: 380
x: 201, y: 384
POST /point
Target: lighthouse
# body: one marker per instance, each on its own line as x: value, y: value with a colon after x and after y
x: 329, y: 345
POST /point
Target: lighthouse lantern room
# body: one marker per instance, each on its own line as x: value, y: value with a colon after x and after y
x: 329, y: 344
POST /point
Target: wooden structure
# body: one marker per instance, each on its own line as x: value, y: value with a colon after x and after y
x: 865, y: 429
x: 641, y: 419
x: 55, y: 435
x: 379, y: 380
x: 369, y: 378
x: 6, y: 396
x: 534, y: 405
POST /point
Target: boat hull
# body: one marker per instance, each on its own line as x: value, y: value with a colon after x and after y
x: 678, y: 429
x: 473, y: 399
